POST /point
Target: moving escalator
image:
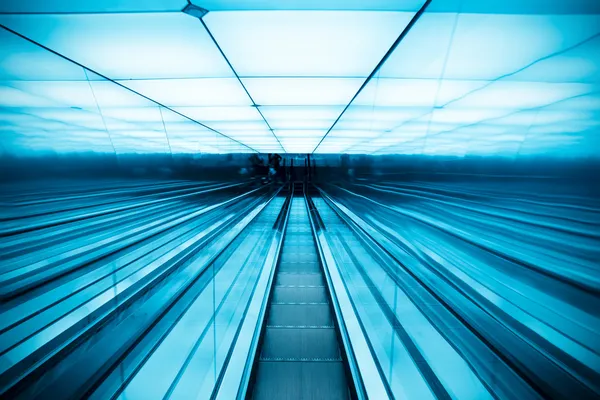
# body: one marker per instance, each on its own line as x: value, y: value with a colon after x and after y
x: 300, y: 354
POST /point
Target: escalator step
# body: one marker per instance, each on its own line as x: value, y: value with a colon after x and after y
x: 292, y: 255
x: 299, y: 279
x: 299, y: 267
x: 301, y: 380
x: 299, y: 295
x: 300, y: 344
x: 291, y: 314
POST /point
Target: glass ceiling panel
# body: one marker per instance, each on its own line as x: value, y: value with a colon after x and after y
x: 192, y: 92
x: 302, y: 91
x: 519, y: 95
x: 168, y: 57
x: 70, y: 6
x: 228, y: 126
x: 77, y: 110
x: 262, y: 133
x: 579, y: 64
x: 356, y: 5
x: 21, y: 60
x: 220, y: 113
x: 301, y: 117
x: 421, y: 53
x: 516, y: 6
x: 128, y: 46
x: 299, y: 145
x: 471, y: 77
x: 471, y: 6
x: 124, y: 46
x: 309, y: 43
x: 352, y: 133
x: 304, y: 58
x: 481, y: 84
x: 300, y: 133
x: 274, y: 113
x: 489, y: 46
x: 379, y: 118
x: 13, y: 97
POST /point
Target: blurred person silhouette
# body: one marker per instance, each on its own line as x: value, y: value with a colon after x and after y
x: 274, y: 166
x: 259, y: 168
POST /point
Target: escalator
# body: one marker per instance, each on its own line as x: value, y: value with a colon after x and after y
x: 299, y: 355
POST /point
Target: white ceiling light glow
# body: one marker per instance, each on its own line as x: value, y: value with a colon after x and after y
x: 469, y: 77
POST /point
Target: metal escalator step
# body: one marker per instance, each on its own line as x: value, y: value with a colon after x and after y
x: 299, y: 267
x: 300, y: 286
x: 297, y: 244
x: 288, y: 314
x: 301, y: 326
x: 300, y: 380
x: 299, y: 229
x: 299, y: 238
x: 299, y: 279
x: 299, y: 273
x: 298, y: 232
x: 306, y: 256
x: 300, y: 343
x: 295, y: 248
x: 299, y: 294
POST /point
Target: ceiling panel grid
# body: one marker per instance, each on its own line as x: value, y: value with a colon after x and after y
x: 469, y: 78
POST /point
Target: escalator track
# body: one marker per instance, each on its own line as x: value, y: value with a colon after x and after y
x: 300, y: 355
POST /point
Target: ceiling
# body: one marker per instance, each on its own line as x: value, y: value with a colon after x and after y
x: 447, y: 77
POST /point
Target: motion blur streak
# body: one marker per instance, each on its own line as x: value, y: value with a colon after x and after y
x: 139, y: 288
